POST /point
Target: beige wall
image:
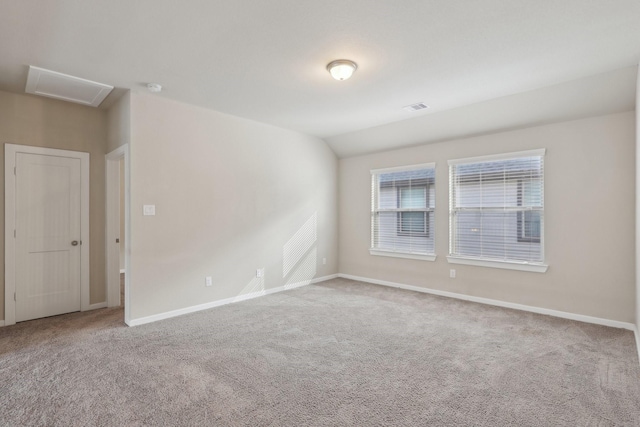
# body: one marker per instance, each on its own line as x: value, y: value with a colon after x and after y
x: 43, y: 122
x: 231, y: 196
x: 589, y: 219
x: 119, y: 123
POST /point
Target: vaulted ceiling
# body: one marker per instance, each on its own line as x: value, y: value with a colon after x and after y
x: 265, y: 60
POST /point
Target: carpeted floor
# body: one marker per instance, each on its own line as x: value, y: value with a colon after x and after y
x: 339, y: 353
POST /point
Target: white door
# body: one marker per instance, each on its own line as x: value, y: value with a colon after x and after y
x: 48, y: 245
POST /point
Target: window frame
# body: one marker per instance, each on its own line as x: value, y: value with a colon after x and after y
x: 455, y: 258
x: 375, y: 210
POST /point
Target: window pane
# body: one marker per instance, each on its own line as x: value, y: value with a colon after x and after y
x: 532, y: 193
x: 530, y: 225
x: 529, y: 221
x: 413, y: 198
x: 387, y: 236
x: 494, y: 236
x: 413, y: 222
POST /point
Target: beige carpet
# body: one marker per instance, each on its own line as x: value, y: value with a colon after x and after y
x: 339, y: 353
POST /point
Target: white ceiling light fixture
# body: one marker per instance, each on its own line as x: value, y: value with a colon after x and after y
x: 342, y: 69
x: 154, y: 87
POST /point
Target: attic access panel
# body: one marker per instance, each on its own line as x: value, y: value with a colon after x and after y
x: 65, y: 87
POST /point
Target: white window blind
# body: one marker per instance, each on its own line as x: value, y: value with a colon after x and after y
x: 402, y: 210
x: 497, y: 207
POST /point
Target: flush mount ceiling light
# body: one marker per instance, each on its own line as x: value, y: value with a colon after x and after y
x: 342, y: 69
x: 154, y: 87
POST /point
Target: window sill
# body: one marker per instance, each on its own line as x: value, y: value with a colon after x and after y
x: 521, y: 266
x: 407, y: 255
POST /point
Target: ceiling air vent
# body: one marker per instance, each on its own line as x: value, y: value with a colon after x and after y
x: 67, y: 88
x: 415, y: 107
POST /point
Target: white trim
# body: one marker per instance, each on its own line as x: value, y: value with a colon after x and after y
x: 1, y: 323
x: 9, y: 244
x: 10, y: 151
x: 85, y: 278
x: 515, y: 306
x: 431, y: 165
x: 98, y: 305
x: 407, y: 255
x: 112, y: 228
x: 637, y: 336
x: 218, y: 303
x: 122, y: 270
x: 507, y: 265
x: 501, y: 156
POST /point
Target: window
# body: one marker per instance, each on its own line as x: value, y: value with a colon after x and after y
x: 402, y: 209
x: 497, y: 211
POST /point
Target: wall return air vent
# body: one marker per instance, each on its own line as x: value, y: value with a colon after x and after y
x: 67, y: 88
x: 416, y: 107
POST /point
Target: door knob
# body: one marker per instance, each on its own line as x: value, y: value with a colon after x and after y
x: 74, y: 243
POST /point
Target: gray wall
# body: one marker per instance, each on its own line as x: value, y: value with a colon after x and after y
x: 44, y: 122
x: 589, y: 219
x: 119, y: 123
x: 231, y: 196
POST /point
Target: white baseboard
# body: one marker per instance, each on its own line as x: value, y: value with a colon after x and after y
x: 122, y: 271
x: 212, y: 304
x: 1, y: 323
x: 539, y: 310
x: 97, y: 305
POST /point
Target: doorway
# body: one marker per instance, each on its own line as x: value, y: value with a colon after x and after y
x: 117, y: 212
x: 46, y: 232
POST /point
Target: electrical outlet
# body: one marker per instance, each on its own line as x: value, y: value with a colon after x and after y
x: 260, y: 272
x: 324, y: 261
x: 452, y: 273
x: 149, y: 210
x: 208, y: 281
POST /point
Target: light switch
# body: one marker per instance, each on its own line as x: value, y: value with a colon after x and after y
x: 149, y: 210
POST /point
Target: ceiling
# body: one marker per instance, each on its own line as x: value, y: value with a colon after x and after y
x: 605, y: 93
x: 266, y: 60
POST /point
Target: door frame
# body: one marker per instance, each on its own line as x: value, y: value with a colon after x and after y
x: 112, y: 264
x: 10, y: 152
